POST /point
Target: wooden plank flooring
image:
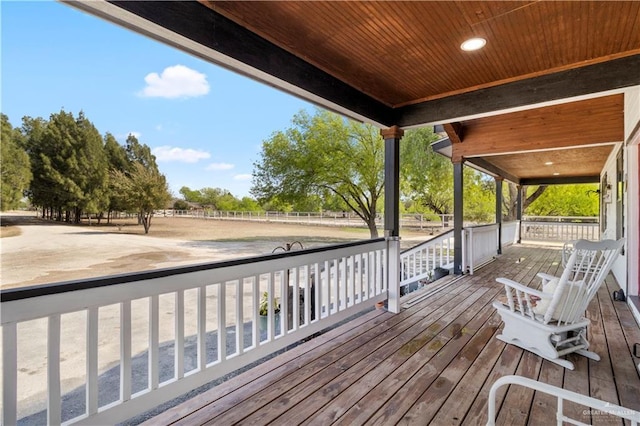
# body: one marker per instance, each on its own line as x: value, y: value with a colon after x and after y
x: 433, y: 363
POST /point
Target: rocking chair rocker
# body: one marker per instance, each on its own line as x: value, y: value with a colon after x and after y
x: 551, y: 322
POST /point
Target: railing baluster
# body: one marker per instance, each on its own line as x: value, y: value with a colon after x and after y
x: 379, y: 288
x: 9, y: 374
x: 271, y: 323
x: 125, y: 350
x: 327, y: 286
x: 154, y: 344
x: 370, y: 275
x: 296, y: 299
x: 256, y: 311
x: 318, y: 290
x: 92, y: 360
x: 352, y: 280
x: 222, y: 321
x: 179, y: 332
x: 307, y: 296
x: 239, y: 316
x: 54, y: 407
x: 335, y: 290
x: 202, y: 327
x: 343, y: 284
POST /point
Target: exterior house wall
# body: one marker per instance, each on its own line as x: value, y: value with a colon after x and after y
x: 619, y: 269
x: 632, y: 173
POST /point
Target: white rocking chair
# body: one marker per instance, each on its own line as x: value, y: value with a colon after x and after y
x: 551, y: 322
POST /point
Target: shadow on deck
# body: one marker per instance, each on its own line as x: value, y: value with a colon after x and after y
x: 433, y: 363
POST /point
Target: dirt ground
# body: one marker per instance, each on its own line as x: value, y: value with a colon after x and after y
x: 35, y: 251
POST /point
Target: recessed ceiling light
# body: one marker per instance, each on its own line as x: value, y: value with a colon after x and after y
x: 473, y: 44
x: 556, y: 174
x: 548, y: 163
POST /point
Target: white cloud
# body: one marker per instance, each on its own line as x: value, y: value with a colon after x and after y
x: 243, y: 177
x: 177, y: 81
x: 168, y: 153
x: 136, y: 134
x: 220, y: 166
x: 159, y: 127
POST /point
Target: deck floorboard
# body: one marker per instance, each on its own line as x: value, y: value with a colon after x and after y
x: 433, y: 363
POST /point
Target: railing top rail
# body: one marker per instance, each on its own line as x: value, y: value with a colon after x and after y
x: 485, y: 225
x: 562, y: 219
x: 433, y: 240
x: 89, y: 283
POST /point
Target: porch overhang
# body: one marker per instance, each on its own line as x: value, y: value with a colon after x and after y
x: 400, y: 63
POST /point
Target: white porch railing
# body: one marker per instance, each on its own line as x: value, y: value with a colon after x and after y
x: 479, y: 245
x: 419, y: 262
x: 510, y: 231
x: 559, y: 231
x: 212, y: 308
x: 597, y: 409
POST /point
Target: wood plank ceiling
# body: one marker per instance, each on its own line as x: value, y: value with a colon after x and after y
x: 403, y: 53
x: 400, y: 63
x: 406, y: 53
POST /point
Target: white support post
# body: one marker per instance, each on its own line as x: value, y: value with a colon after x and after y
x: 393, y: 259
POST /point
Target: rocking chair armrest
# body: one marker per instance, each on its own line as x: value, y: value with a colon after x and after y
x: 545, y: 277
x: 523, y: 288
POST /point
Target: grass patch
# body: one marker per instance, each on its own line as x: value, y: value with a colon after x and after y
x: 9, y: 231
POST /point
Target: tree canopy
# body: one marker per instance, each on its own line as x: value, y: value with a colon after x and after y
x: 320, y: 162
x: 74, y: 169
x: 143, y: 189
x: 15, y: 167
x: 323, y: 156
x: 427, y: 179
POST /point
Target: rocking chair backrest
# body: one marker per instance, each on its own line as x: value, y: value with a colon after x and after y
x: 583, y: 275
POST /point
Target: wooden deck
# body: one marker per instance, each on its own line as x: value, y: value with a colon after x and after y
x: 431, y: 364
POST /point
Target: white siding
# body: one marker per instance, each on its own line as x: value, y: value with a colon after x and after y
x: 632, y: 171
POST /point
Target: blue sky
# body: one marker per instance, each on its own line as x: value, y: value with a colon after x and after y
x: 205, y: 124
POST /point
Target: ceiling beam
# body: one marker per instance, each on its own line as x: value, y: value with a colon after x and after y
x: 234, y: 47
x: 491, y: 169
x: 455, y: 131
x: 601, y: 77
x: 555, y: 180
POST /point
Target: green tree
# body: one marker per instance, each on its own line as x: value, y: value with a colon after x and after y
x: 144, y: 189
x: 249, y: 204
x: 566, y: 200
x: 139, y: 153
x: 15, y: 167
x: 92, y: 169
x: 41, y: 192
x: 117, y: 161
x: 69, y: 165
x: 322, y: 155
x: 180, y: 205
x: 190, y: 195
x: 427, y: 180
x: 510, y: 199
x: 426, y: 177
